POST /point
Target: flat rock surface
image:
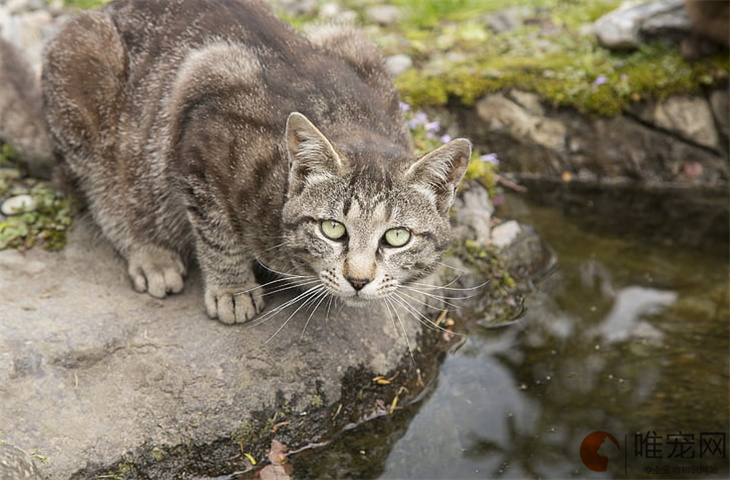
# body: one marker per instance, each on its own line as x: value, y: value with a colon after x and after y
x: 90, y: 369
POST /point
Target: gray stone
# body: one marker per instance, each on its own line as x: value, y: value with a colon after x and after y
x: 669, y: 25
x: 501, y: 114
x: 507, y: 19
x: 384, y: 14
x: 27, y: 31
x: 474, y: 212
x: 16, y: 464
x: 720, y: 104
x: 330, y: 10
x: 90, y: 369
x: 527, y: 100
x: 689, y: 117
x: 505, y: 234
x: 605, y: 149
x: 623, y: 28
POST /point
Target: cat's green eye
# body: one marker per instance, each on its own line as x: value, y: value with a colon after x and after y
x: 333, y: 230
x: 397, y: 237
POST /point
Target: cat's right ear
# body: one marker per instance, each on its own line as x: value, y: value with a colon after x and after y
x: 312, y: 158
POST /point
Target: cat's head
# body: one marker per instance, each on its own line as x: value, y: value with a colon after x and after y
x: 368, y: 220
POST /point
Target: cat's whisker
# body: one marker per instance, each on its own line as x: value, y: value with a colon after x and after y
x: 329, y: 306
x: 424, y: 303
x: 460, y: 270
x: 278, y: 245
x: 291, y: 286
x: 292, y: 301
x: 423, y: 319
x: 321, y: 296
x: 446, y: 299
x: 265, y: 285
x: 393, y: 310
x: 456, y: 279
x: 309, y: 297
x: 446, y: 287
x: 281, y: 274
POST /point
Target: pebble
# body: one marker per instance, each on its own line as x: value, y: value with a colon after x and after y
x: 505, y: 233
x: 397, y: 64
x: 384, y: 14
x: 18, y: 204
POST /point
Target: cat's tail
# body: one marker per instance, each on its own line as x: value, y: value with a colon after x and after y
x: 22, y: 123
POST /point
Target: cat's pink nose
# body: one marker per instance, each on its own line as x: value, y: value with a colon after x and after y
x: 358, y: 283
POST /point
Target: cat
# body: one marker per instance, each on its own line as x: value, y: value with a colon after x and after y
x: 211, y: 127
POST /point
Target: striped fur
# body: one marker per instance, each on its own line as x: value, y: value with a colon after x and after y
x: 212, y: 128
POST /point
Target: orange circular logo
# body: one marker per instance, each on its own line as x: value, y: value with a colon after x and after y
x: 589, y: 451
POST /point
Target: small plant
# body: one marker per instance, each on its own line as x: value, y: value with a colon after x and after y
x: 428, y: 134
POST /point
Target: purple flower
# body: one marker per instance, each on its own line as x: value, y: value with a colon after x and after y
x: 433, y: 126
x: 490, y: 158
x: 404, y: 107
x: 418, y: 119
x: 445, y: 138
x: 600, y: 80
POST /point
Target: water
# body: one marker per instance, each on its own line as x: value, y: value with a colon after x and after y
x: 629, y: 336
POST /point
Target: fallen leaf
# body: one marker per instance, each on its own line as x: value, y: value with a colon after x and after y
x: 275, y: 472
x: 277, y: 454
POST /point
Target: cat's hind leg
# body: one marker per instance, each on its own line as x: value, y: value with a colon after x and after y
x: 85, y: 88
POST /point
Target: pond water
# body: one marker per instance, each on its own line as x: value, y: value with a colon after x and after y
x: 627, y: 336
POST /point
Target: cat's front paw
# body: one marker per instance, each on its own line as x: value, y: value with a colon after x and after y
x: 233, y: 304
x: 156, y: 270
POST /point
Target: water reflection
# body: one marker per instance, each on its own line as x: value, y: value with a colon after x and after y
x: 625, y: 337
x: 624, y: 320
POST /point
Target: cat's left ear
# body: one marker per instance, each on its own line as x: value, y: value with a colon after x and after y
x: 441, y: 170
x: 311, y: 156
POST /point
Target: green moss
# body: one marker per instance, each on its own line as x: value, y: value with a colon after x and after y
x: 597, y: 83
x: 486, y: 262
x: 245, y: 433
x: 317, y: 401
x: 159, y: 454
x: 85, y: 4
x: 484, y: 173
x: 8, y: 156
x: 120, y: 471
x: 465, y: 61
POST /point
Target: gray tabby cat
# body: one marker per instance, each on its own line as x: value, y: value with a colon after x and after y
x: 213, y: 126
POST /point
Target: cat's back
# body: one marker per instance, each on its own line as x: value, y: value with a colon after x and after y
x: 332, y: 80
x: 155, y: 28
